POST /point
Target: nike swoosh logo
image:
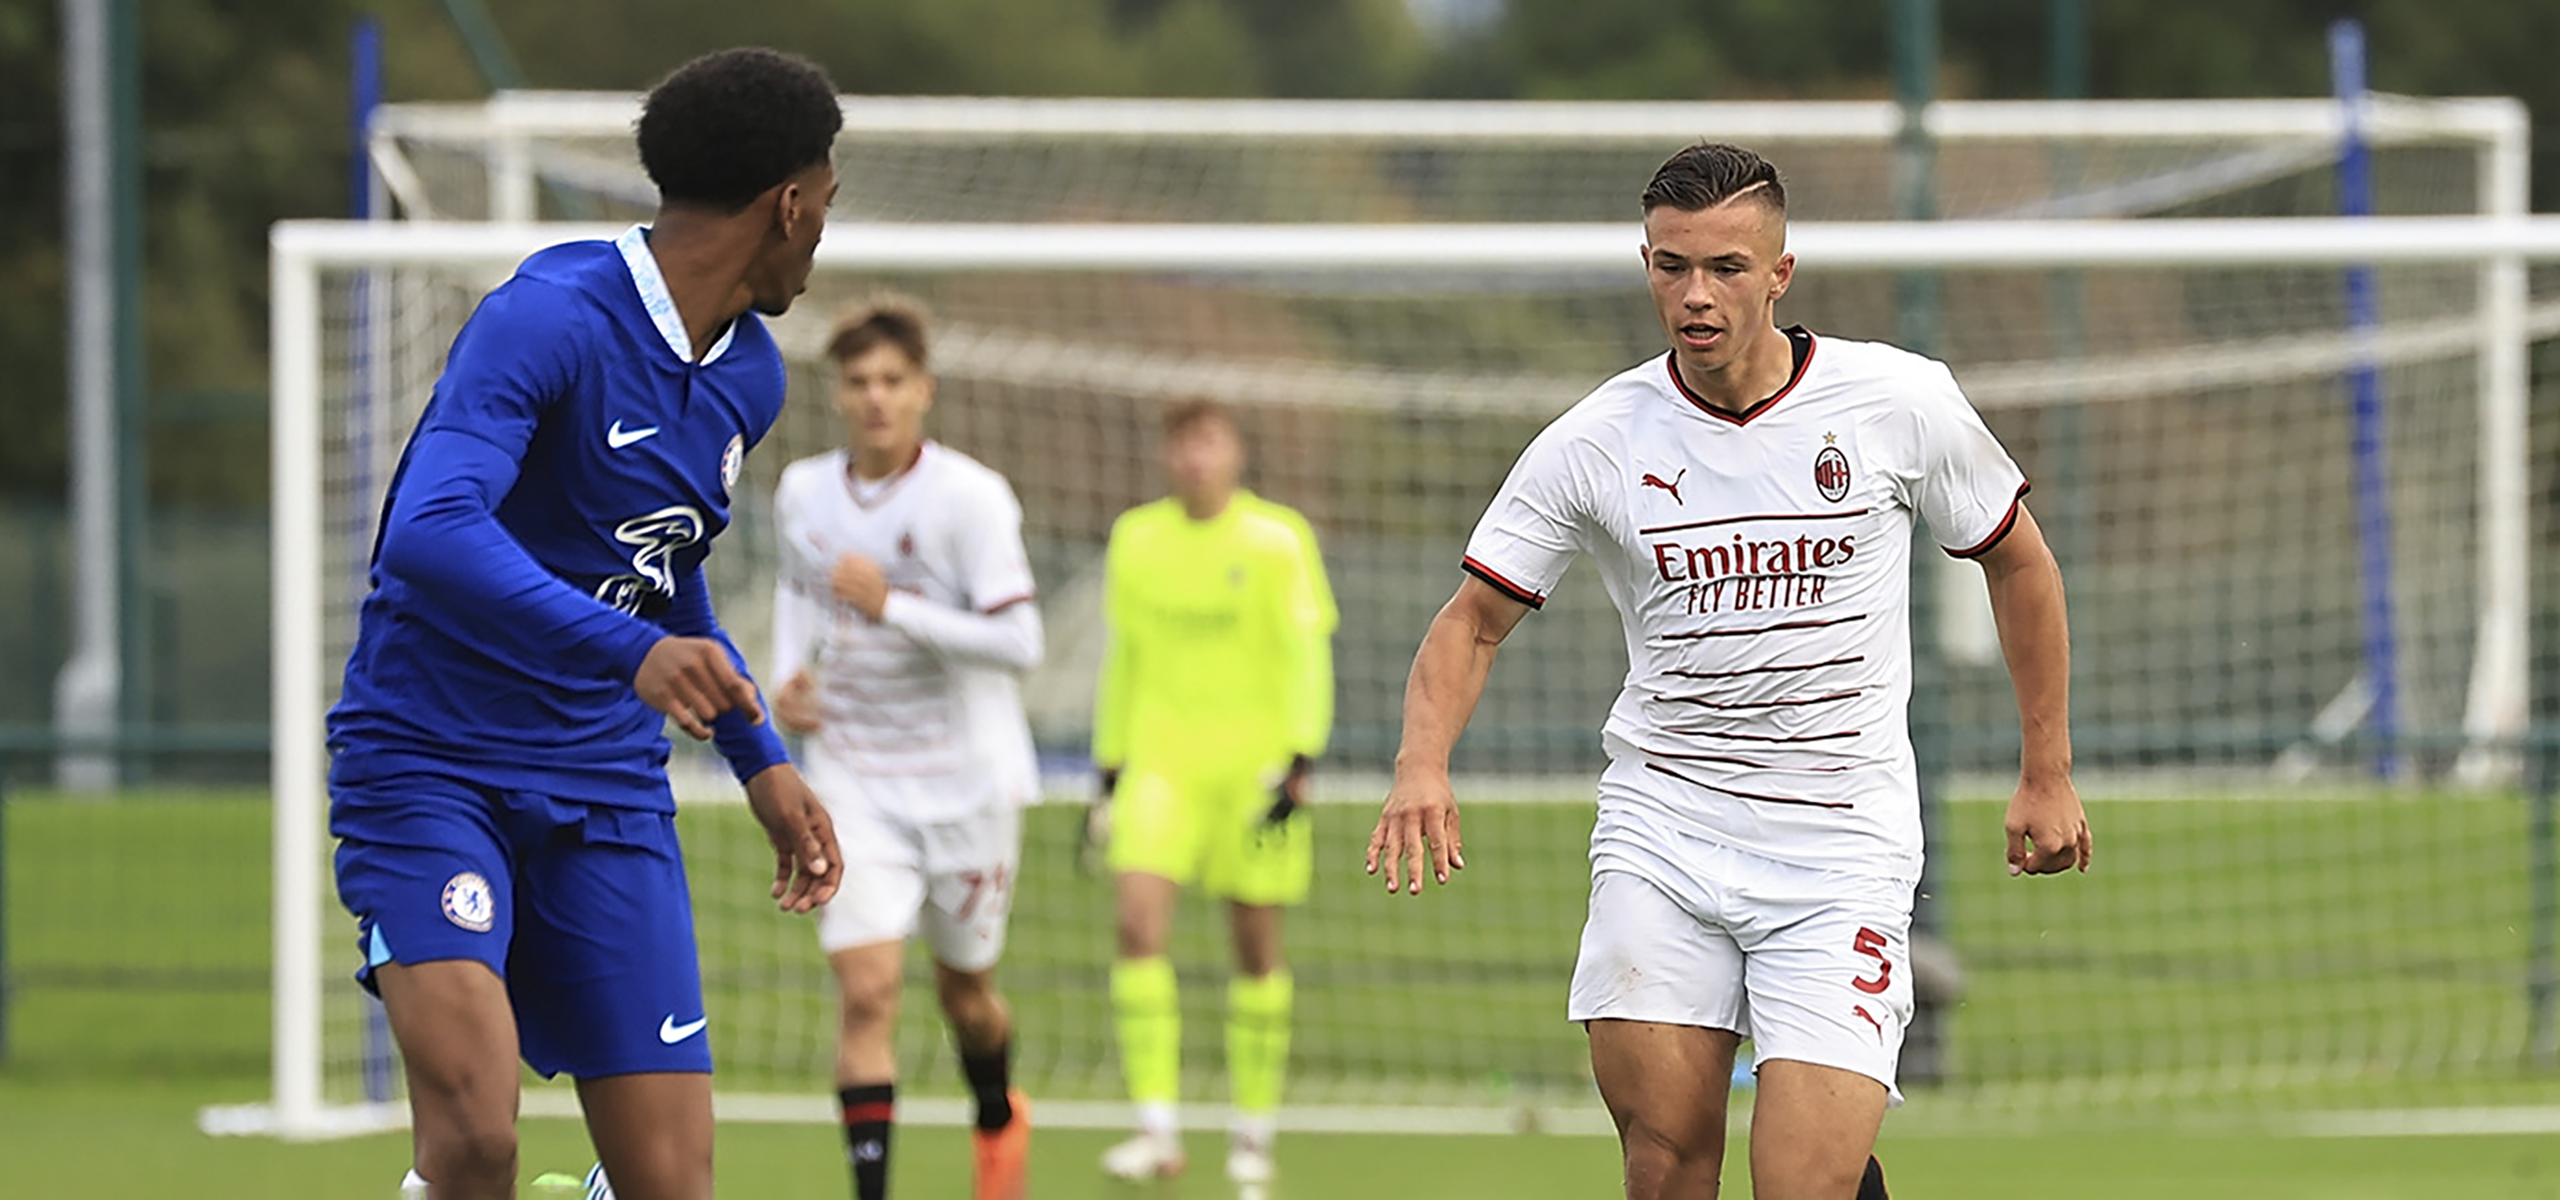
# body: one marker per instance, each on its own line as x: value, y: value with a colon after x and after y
x: 618, y: 437
x: 671, y: 1033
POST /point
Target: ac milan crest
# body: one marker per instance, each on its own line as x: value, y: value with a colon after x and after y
x: 1831, y: 473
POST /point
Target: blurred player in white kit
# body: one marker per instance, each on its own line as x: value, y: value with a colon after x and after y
x: 903, y: 617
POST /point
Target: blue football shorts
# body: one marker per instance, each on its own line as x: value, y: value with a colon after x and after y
x: 582, y: 909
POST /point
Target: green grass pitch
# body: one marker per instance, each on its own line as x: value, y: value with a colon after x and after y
x: 2376, y: 944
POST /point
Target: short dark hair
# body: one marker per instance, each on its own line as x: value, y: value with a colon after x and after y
x: 883, y: 320
x: 725, y: 127
x: 1705, y: 175
x: 1186, y: 415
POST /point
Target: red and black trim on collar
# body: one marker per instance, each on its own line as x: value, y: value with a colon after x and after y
x: 880, y: 491
x: 1494, y: 580
x: 2017, y: 504
x: 1799, y: 342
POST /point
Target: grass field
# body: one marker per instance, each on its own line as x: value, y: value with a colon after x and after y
x: 2158, y: 1027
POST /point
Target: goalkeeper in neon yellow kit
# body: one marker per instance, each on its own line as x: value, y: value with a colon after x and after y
x: 1215, y: 699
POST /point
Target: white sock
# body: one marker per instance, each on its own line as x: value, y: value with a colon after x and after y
x: 413, y: 1186
x: 1158, y: 1121
x: 1257, y: 1128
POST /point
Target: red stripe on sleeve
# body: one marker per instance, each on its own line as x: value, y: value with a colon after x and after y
x: 1502, y: 585
x: 1007, y: 602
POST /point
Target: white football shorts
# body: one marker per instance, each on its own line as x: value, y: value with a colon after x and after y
x: 1811, y: 965
x: 949, y: 880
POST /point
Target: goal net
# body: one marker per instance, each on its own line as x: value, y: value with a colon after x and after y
x: 2270, y: 926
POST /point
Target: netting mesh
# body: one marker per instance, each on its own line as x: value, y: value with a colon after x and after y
x: 2187, y: 432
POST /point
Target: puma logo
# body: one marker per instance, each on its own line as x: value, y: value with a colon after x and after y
x: 1672, y: 486
x: 1869, y: 1018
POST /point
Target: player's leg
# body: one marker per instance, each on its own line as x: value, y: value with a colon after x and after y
x: 972, y: 863
x: 1260, y: 1003
x: 1261, y: 868
x: 1660, y: 992
x: 1146, y: 1007
x: 457, y: 1039
x: 608, y: 988
x: 863, y: 932
x: 868, y: 976
x: 1813, y: 1131
x: 1666, y: 1088
x: 982, y: 1027
x: 652, y: 1132
x: 422, y: 864
x: 1830, y: 996
x: 1154, y: 852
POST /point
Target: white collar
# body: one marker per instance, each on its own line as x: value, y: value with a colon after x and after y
x: 645, y: 275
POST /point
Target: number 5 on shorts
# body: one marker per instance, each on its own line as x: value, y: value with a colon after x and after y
x: 1871, y: 944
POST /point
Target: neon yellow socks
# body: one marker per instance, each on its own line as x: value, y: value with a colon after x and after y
x: 1258, y: 1013
x: 1148, y: 1007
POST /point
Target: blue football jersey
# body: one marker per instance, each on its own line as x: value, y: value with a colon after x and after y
x: 546, y: 526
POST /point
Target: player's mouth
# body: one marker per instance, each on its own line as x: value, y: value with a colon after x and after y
x: 1698, y: 335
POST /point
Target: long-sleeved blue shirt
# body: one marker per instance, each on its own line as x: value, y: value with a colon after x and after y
x: 545, y: 528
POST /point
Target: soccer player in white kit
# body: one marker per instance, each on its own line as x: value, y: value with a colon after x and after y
x: 903, y: 618
x: 1749, y: 500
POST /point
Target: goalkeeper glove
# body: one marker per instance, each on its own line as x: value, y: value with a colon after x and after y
x: 1286, y: 796
x: 1095, y: 846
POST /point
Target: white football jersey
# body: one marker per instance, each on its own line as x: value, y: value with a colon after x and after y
x: 927, y: 696
x: 1762, y: 565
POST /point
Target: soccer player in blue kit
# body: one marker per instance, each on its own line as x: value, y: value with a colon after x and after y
x: 498, y: 776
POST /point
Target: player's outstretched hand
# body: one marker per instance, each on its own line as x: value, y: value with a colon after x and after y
x: 807, y: 864
x: 2048, y: 830
x: 692, y: 681
x: 1418, y: 823
x: 795, y: 707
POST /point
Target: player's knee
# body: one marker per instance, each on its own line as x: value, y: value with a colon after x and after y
x: 1141, y: 935
x: 1259, y: 957
x: 468, y: 1154
x: 1662, y: 1166
x: 870, y: 1004
x: 1781, y: 1172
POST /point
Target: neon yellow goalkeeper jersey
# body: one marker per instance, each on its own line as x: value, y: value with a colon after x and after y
x: 1221, y: 652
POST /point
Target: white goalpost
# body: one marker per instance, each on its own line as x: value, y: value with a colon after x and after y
x: 1395, y: 297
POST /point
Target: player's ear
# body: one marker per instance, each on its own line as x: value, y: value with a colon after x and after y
x: 1782, y: 276
x: 797, y: 201
x: 790, y: 206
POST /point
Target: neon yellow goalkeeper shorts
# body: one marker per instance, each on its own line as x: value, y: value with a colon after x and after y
x: 1210, y: 828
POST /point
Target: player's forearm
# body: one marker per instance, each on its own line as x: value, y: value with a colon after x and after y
x: 1448, y: 677
x: 1009, y: 638
x: 1308, y: 706
x: 443, y: 539
x: 2035, y: 638
x: 1111, y: 704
